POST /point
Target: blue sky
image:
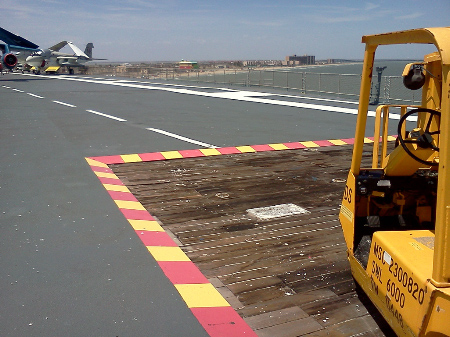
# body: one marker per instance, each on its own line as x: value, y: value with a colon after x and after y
x: 139, y: 30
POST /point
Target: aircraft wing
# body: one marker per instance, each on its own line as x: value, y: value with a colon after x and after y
x: 67, y: 58
x: 77, y: 50
x: 71, y: 61
x: 58, y: 46
x: 16, y: 40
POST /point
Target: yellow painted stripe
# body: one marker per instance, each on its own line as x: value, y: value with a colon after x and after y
x: 367, y: 140
x: 167, y: 253
x: 201, y: 295
x: 309, y: 144
x: 172, y: 154
x: 210, y: 152
x: 129, y: 204
x: 337, y: 142
x: 278, y: 146
x: 131, y: 158
x: 116, y: 188
x: 105, y: 175
x: 146, y: 225
x: 245, y: 149
x: 97, y: 163
x: 391, y: 138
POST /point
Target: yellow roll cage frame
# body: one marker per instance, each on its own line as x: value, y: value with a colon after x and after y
x: 440, y: 37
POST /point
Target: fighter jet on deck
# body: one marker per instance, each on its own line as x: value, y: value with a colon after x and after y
x: 51, y: 59
x: 15, y: 49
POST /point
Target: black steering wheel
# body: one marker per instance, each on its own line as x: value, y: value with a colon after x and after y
x: 425, y: 140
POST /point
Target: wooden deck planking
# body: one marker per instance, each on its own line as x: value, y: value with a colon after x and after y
x: 296, y: 262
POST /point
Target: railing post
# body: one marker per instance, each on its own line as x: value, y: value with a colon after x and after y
x: 339, y: 84
x: 320, y: 84
x: 287, y: 80
x: 304, y: 83
x: 376, y: 100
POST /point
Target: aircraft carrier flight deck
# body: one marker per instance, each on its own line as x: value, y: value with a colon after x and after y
x: 137, y: 208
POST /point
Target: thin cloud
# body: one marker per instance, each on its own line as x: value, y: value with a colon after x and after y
x: 371, y: 6
x: 263, y: 23
x: 336, y: 19
x: 340, y: 14
x: 345, y: 14
x: 410, y: 16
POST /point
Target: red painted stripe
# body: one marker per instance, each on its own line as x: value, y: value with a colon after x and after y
x: 262, y: 148
x: 109, y: 159
x: 228, y: 150
x: 135, y: 214
x: 182, y: 272
x: 323, y: 143
x: 151, y: 238
x: 127, y: 196
x: 101, y: 169
x: 110, y: 181
x: 223, y: 322
x: 151, y: 156
x: 349, y: 140
x: 294, y: 145
x: 191, y: 153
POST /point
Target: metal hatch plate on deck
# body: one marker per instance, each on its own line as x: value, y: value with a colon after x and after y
x: 293, y: 268
x: 276, y: 211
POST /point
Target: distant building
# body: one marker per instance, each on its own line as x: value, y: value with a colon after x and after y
x: 295, y: 60
x: 188, y: 64
x: 261, y: 63
x: 341, y: 61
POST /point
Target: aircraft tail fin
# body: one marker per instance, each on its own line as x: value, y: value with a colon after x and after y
x: 76, y: 50
x: 16, y: 40
x: 88, y: 49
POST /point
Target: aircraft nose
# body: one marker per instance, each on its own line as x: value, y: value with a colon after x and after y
x: 35, y: 61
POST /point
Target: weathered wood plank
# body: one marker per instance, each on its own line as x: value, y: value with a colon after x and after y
x: 281, y: 302
x: 275, y: 317
x: 295, y: 328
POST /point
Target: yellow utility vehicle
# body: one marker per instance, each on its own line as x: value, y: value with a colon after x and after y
x: 395, y: 213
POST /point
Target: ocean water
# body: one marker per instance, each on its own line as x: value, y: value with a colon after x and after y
x: 393, y: 68
x: 337, y: 80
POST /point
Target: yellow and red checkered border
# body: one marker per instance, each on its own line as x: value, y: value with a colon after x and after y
x: 212, y: 311
x: 166, y: 155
